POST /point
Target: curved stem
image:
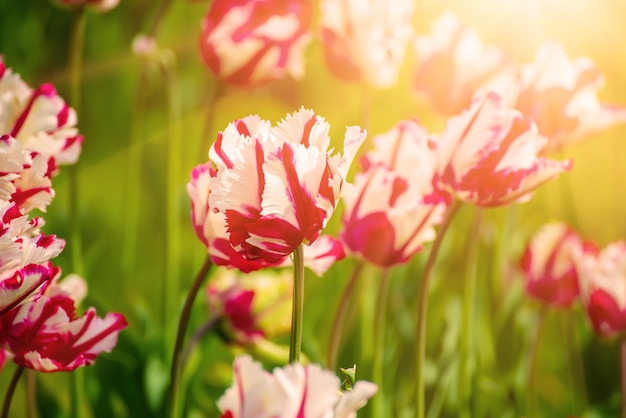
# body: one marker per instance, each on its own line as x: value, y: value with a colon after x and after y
x: 200, y: 333
x: 379, y: 343
x: 295, y: 343
x: 422, y: 304
x: 180, y: 337
x: 10, y: 390
x: 532, y: 362
x: 335, y: 334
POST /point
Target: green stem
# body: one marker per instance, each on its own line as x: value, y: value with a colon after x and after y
x: 378, y: 405
x: 567, y: 199
x: 158, y: 18
x: 532, y: 362
x: 31, y: 394
x: 132, y: 190
x: 366, y: 103
x: 422, y: 305
x: 180, y: 337
x: 10, y: 390
x: 207, y: 135
x: 623, y: 378
x: 575, y: 369
x: 197, y: 336
x: 337, y: 328
x: 295, y: 343
x: 77, y: 46
x: 468, y: 316
x: 172, y: 203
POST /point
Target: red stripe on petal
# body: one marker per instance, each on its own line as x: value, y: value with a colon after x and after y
x: 309, y: 216
x: 306, y: 133
x: 220, y: 153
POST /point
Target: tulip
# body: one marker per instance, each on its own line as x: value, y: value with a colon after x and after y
x: 454, y: 64
x: 365, y: 41
x: 603, y: 288
x: 295, y: 390
x: 251, y: 42
x: 278, y: 186
x: 489, y: 155
x: 548, y: 263
x: 394, y: 206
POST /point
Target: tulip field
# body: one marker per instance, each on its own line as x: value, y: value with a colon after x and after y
x: 312, y: 208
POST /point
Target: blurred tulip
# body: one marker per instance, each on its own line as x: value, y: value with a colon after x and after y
x: 251, y: 42
x: 489, y: 155
x: 251, y: 306
x: 365, y: 41
x: 295, y: 390
x: 603, y: 288
x: 560, y: 96
x: 454, y: 64
x: 39, y: 119
x: 548, y: 263
x: 395, y: 206
x: 277, y: 187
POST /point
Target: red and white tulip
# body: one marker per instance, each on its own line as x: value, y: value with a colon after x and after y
x: 454, y: 64
x: 395, y: 206
x: 603, y: 288
x: 251, y: 42
x: 47, y: 335
x: 39, y: 119
x: 251, y: 306
x: 277, y: 186
x: 548, y: 263
x: 365, y: 41
x: 490, y: 156
x: 295, y: 390
x: 560, y: 96
x: 211, y: 229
